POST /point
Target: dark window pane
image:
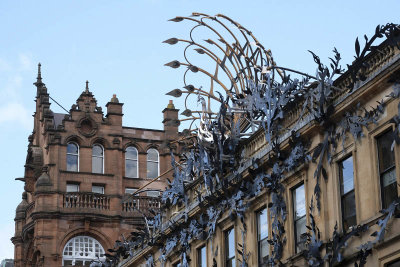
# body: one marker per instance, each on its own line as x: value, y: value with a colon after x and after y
x: 131, y: 153
x: 152, y: 169
x: 131, y: 168
x: 395, y: 263
x: 72, y: 163
x: 300, y: 229
x: 385, y: 154
x: 349, y: 210
x: 389, y: 187
x: 389, y: 177
x: 97, y: 151
x: 97, y: 165
x: 387, y: 169
x: 231, y: 263
x: 263, y: 252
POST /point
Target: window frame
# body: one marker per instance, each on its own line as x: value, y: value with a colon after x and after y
x: 137, y: 201
x: 199, y: 259
x: 129, y: 159
x: 130, y: 188
x: 228, y: 260
x: 147, y: 163
x: 71, y: 183
x: 387, y: 170
x: 343, y: 195
x: 392, y: 261
x: 99, y: 186
x: 259, y: 241
x: 293, y: 195
x: 67, y: 154
x: 102, y: 157
x: 73, y: 258
x: 149, y: 191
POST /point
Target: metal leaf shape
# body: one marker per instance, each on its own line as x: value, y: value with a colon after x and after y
x: 194, y: 69
x: 173, y: 64
x: 199, y: 50
x: 187, y: 113
x: 171, y: 41
x: 189, y: 87
x: 175, y: 93
x: 357, y: 47
x: 176, y: 19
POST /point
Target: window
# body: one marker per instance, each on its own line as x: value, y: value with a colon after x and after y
x: 81, y: 250
x: 129, y: 190
x: 262, y: 237
x: 71, y: 187
x: 72, y: 157
x: 135, y: 200
x: 99, y: 189
x: 201, y: 257
x: 348, y: 201
x: 131, y: 162
x: 153, y: 193
x: 230, y: 248
x: 395, y: 263
x: 299, y: 215
x: 387, y: 169
x: 152, y: 163
x: 97, y: 159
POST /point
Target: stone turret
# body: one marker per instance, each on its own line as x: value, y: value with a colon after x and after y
x: 43, y: 183
x: 20, y: 210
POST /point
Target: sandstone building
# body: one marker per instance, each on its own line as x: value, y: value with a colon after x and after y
x: 80, y: 169
x: 362, y: 179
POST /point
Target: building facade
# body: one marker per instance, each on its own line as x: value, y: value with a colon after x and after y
x: 81, y: 169
x: 361, y: 180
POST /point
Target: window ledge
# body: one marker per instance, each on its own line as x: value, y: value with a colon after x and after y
x: 139, y: 179
x: 88, y: 173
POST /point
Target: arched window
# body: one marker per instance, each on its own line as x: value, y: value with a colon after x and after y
x: 72, y: 157
x: 131, y: 162
x: 97, y: 159
x: 81, y: 250
x: 152, y: 163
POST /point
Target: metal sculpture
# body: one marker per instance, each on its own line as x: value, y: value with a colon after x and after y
x: 255, y: 94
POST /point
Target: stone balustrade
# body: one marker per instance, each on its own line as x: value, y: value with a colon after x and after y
x: 140, y: 203
x: 86, y: 200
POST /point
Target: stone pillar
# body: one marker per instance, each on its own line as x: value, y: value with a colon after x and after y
x: 171, y: 121
x: 114, y: 111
